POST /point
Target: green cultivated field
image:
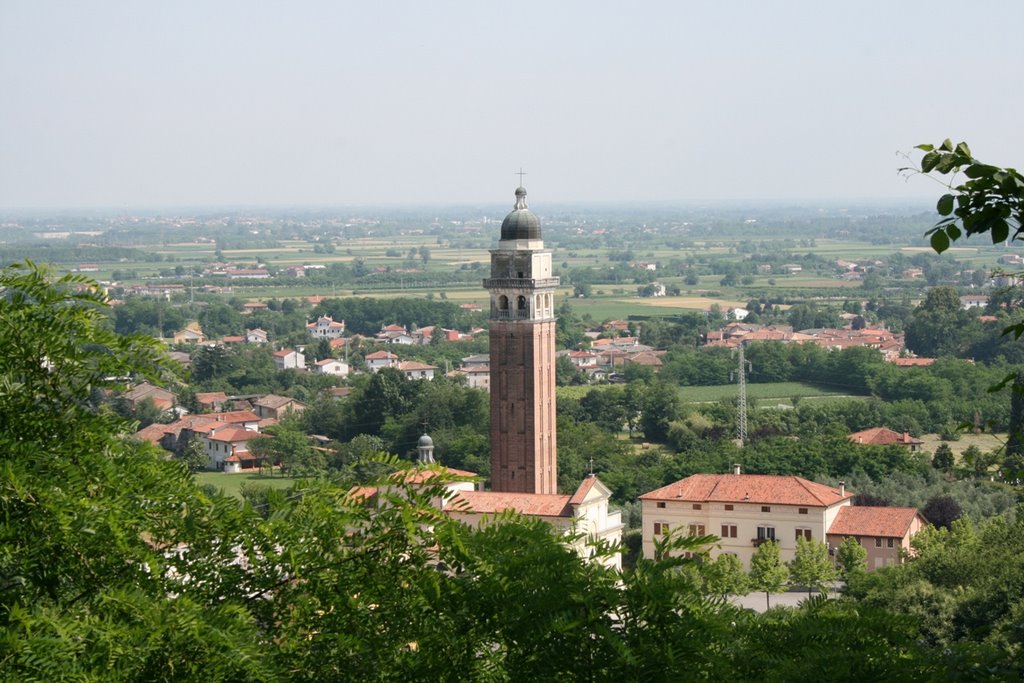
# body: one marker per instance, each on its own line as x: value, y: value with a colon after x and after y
x: 231, y: 484
x: 775, y: 391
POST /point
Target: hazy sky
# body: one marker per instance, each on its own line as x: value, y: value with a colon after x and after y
x: 141, y: 103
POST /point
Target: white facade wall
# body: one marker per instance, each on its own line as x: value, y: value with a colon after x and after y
x: 746, y: 517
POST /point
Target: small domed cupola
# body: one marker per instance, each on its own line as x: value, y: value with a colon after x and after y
x: 425, y: 450
x: 521, y: 223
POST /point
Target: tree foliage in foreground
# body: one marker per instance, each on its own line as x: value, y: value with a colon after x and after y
x: 114, y: 566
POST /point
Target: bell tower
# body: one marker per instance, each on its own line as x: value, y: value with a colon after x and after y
x: 522, y: 345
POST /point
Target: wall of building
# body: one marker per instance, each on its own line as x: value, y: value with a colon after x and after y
x: 746, y: 517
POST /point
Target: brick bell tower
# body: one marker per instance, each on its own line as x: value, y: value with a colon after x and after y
x: 522, y: 345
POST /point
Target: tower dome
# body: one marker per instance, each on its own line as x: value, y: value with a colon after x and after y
x: 521, y: 223
x: 425, y: 450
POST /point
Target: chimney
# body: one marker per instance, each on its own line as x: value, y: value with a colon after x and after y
x: 842, y: 488
x: 906, y: 437
x: 736, y: 468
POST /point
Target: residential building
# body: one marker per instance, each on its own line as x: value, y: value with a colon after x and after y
x: 211, y: 400
x: 883, y: 436
x: 251, y: 307
x: 289, y: 359
x: 744, y: 510
x: 394, y: 334
x: 416, y: 370
x: 276, y: 407
x: 331, y: 366
x: 381, y: 359
x: 884, y: 532
x: 192, y: 333
x: 228, y: 449
x: 326, y: 327
x: 970, y: 301
x: 257, y: 336
x: 162, y: 398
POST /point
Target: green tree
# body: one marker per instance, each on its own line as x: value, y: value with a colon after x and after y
x: 725, y: 576
x: 767, y: 572
x: 943, y: 458
x: 567, y: 374
x: 939, y: 324
x: 194, y: 455
x: 661, y: 407
x: 211, y: 362
x: 851, y: 557
x: 811, y: 566
x: 84, y: 517
x: 292, y: 449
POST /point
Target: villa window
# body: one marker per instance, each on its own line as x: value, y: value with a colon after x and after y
x: 728, y: 531
x: 803, y: 533
x: 766, y: 508
x: 802, y: 511
x: 889, y: 542
x: 661, y: 504
x: 696, y: 506
x: 878, y: 543
x: 766, y: 533
x: 728, y: 506
x: 696, y: 529
x: 660, y: 528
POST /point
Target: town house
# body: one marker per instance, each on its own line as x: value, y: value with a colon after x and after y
x: 744, y: 510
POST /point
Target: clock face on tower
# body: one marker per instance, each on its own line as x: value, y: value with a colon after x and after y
x: 522, y: 357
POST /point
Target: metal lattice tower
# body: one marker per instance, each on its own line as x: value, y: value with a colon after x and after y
x: 741, y: 398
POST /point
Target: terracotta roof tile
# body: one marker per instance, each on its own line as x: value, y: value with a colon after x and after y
x: 873, y: 521
x: 235, y: 435
x: 420, y: 475
x: 583, y: 490
x: 493, y: 502
x: 882, y: 436
x: 749, y: 488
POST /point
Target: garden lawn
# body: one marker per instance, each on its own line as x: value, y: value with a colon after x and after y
x: 231, y: 484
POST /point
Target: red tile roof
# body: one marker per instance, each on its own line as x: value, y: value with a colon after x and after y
x: 235, y: 435
x: 234, y: 416
x: 873, y: 521
x: 211, y: 396
x: 583, y: 490
x: 749, y: 488
x: 883, y: 436
x: 420, y: 475
x: 493, y: 502
x: 153, y: 433
x: 909, y: 362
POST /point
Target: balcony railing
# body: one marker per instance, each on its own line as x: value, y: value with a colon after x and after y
x: 510, y: 314
x: 756, y: 542
x: 521, y: 283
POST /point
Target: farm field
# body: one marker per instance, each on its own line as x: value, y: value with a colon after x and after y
x: 774, y: 391
x: 985, y: 442
x: 231, y: 484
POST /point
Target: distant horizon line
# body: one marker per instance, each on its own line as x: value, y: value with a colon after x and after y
x: 804, y: 202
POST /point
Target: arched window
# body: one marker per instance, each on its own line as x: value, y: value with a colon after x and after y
x: 539, y: 305
x: 503, y: 303
x: 521, y: 303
